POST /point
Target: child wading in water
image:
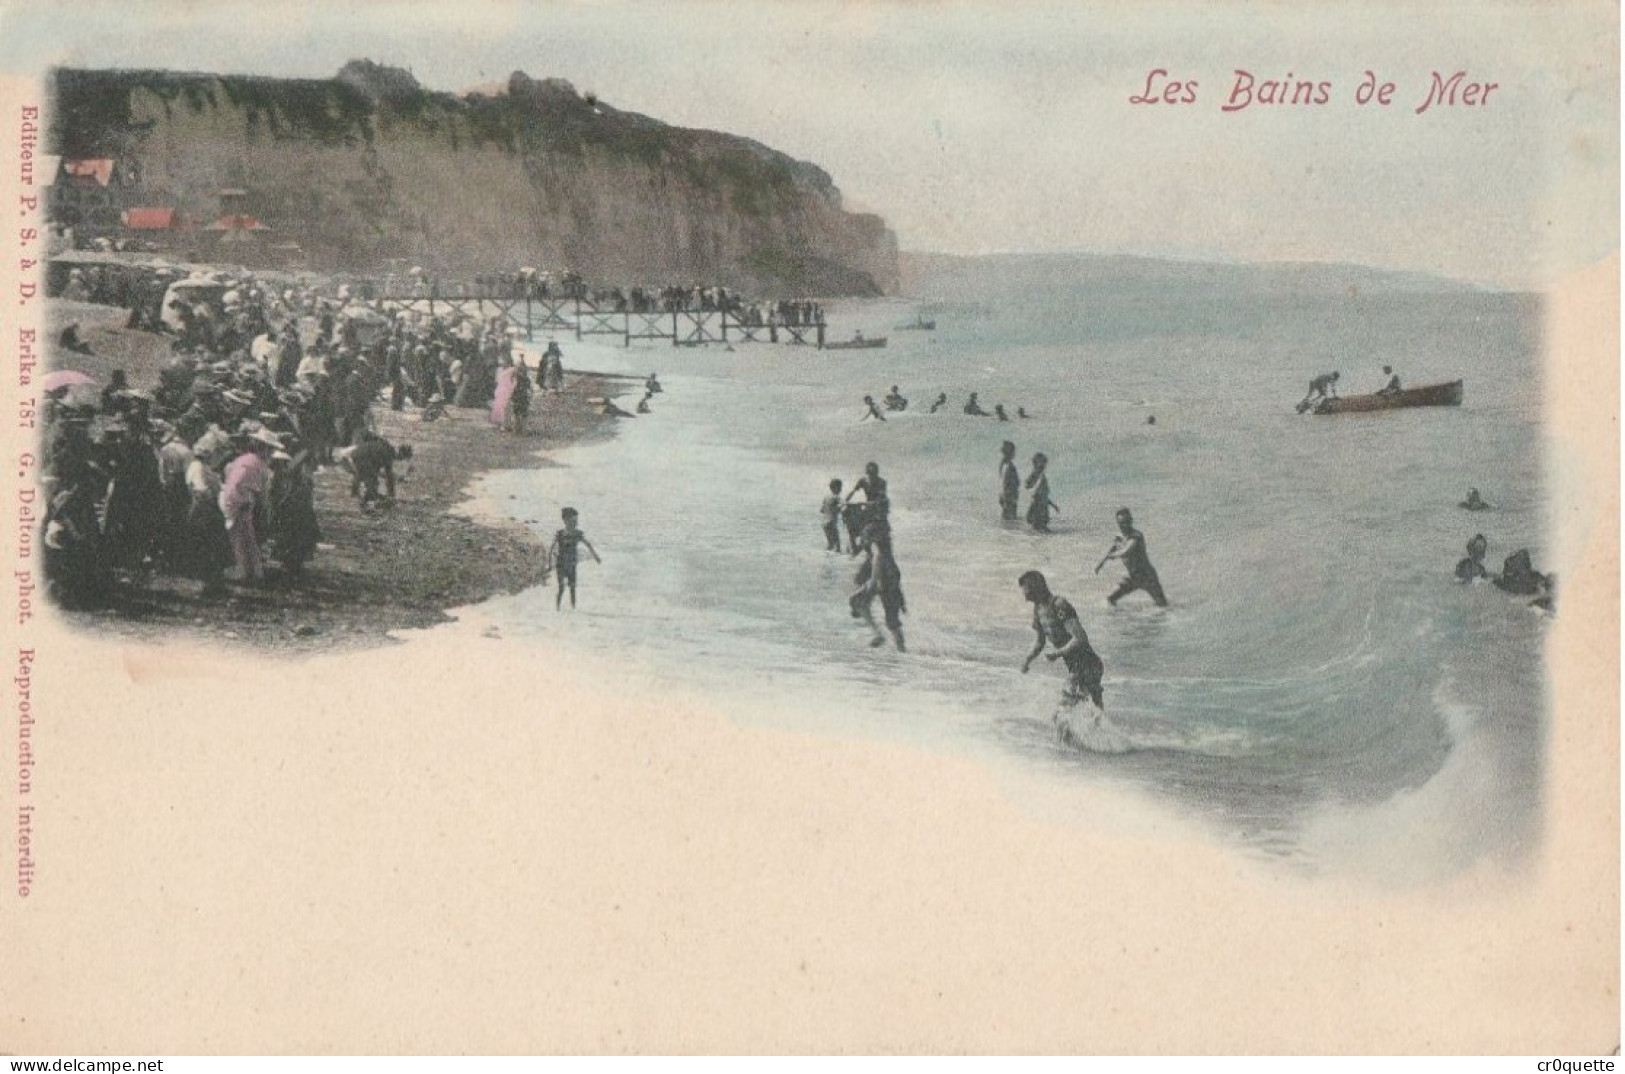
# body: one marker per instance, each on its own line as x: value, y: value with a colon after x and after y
x: 830, y: 512
x: 562, y: 555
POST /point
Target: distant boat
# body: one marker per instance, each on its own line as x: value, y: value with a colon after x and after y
x: 856, y: 343
x: 1431, y: 395
x: 920, y: 325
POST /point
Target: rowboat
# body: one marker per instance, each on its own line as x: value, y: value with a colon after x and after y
x: 1431, y: 395
x: 856, y: 344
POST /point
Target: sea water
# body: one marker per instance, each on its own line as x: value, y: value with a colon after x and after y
x: 1319, y: 691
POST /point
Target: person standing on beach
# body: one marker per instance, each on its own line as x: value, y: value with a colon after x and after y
x: 1130, y: 548
x: 371, y: 459
x: 1009, y: 482
x: 551, y: 369
x: 206, y: 547
x: 830, y: 512
x: 1039, y: 507
x: 248, y: 477
x: 519, y: 401
x: 1056, y: 623
x: 563, y: 554
x: 507, y: 376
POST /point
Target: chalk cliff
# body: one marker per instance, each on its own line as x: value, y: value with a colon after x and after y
x: 369, y: 167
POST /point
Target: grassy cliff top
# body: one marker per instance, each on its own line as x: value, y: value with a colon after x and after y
x: 95, y: 117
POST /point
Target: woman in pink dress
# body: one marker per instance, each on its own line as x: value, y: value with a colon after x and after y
x: 507, y: 374
x: 247, y: 478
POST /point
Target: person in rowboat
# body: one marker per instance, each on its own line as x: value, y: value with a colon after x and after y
x: 1322, y: 387
x: 895, y: 401
x: 973, y: 408
x: 1392, y: 387
x: 939, y: 402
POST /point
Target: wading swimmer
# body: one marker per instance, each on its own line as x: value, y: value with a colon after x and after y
x: 880, y: 577
x: 1009, y: 482
x: 1056, y: 623
x: 830, y: 512
x: 563, y: 555
x: 1040, y: 506
x: 1130, y: 548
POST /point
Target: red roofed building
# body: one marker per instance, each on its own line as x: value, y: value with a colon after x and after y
x: 99, y: 171
x: 152, y: 219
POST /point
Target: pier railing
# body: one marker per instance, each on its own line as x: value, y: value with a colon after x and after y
x: 541, y: 315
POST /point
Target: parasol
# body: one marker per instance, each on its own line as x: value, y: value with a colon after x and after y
x: 65, y: 378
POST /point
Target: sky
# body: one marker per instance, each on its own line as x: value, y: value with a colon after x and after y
x: 976, y: 126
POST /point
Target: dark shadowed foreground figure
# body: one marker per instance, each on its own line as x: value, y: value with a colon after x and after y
x: 880, y: 577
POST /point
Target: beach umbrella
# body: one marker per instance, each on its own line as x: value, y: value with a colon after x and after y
x: 65, y: 378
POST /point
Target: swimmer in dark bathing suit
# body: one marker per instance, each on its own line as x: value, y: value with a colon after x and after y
x: 1056, y: 623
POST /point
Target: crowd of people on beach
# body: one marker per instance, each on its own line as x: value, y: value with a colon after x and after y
x: 208, y: 473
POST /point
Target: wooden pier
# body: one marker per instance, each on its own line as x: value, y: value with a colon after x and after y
x: 534, y: 316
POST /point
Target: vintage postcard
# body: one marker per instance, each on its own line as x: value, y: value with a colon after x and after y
x: 825, y: 527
